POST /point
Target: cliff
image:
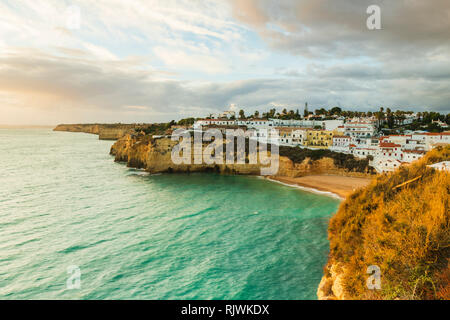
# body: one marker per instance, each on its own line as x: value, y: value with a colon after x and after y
x: 104, y: 131
x: 399, y: 223
x: 308, y: 166
x: 154, y: 155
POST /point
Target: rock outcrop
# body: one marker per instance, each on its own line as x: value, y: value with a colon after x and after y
x: 331, y: 287
x: 154, y: 155
x: 314, y: 167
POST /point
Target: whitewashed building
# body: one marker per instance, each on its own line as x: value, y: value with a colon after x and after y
x: 359, y: 129
x: 411, y: 155
x: 208, y: 122
x: 441, y: 166
x: 341, y: 144
x: 431, y: 139
x: 332, y: 125
x: 254, y: 123
x: 385, y: 165
x: 291, y: 136
x: 227, y: 114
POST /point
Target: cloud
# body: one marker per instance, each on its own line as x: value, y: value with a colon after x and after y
x: 121, y: 91
x: 180, y: 60
x: 138, y: 61
x: 327, y: 28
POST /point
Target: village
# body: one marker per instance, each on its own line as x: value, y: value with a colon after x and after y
x: 361, y: 135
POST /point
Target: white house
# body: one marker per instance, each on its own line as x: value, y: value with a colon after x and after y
x: 440, y: 123
x: 412, y: 155
x: 291, y: 136
x: 359, y: 129
x: 341, y: 144
x: 431, y: 139
x: 227, y: 114
x: 207, y: 122
x: 332, y: 125
x: 363, y: 152
x: 441, y: 166
x: 385, y: 165
x: 396, y: 138
x: 255, y: 123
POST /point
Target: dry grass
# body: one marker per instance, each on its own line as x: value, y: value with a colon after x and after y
x: 405, y: 231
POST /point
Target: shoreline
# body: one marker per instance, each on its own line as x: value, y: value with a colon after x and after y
x: 338, y: 187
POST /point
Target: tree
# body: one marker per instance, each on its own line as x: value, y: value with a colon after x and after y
x: 336, y: 111
x: 256, y: 114
x: 380, y: 116
x: 320, y: 111
x: 291, y: 114
x: 186, y: 122
x: 241, y: 114
x: 306, y: 112
x: 390, y: 118
x: 272, y: 113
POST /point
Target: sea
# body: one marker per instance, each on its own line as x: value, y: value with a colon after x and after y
x: 74, y: 224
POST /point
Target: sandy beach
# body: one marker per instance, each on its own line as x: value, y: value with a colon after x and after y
x: 339, y: 185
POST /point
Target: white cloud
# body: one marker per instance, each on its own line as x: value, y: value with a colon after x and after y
x: 161, y: 60
x: 177, y: 59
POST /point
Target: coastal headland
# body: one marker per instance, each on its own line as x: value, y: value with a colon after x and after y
x: 104, y: 131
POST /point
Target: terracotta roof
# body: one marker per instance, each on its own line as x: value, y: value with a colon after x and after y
x: 445, y: 133
x: 413, y: 151
x: 399, y: 135
x: 225, y: 119
x: 388, y: 145
x: 437, y: 133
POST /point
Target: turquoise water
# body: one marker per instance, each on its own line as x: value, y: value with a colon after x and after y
x: 63, y: 202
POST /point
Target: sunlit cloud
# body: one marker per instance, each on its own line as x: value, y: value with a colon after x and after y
x: 135, y: 61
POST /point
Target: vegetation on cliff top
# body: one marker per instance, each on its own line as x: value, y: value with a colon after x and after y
x: 403, y: 230
x: 341, y: 160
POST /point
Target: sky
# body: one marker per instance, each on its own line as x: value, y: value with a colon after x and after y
x: 153, y: 61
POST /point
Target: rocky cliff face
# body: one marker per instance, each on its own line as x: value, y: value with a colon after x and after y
x: 312, y: 167
x: 86, y: 128
x: 154, y: 155
x: 331, y: 286
x: 104, y: 131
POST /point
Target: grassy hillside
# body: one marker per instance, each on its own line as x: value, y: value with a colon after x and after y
x: 404, y: 231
